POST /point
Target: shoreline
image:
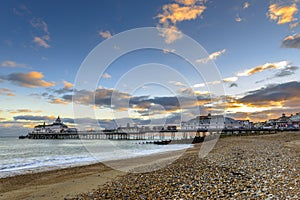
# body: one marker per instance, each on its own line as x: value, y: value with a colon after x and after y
x: 75, y: 181
x: 71, y: 181
x: 112, y: 161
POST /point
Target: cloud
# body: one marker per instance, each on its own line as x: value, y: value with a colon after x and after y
x: 289, y: 70
x: 101, y: 97
x: 58, y: 101
x: 38, y: 23
x: 291, y: 41
x: 186, y: 2
x: 170, y: 34
x: 266, y: 102
x: 282, y: 14
x: 24, y: 111
x: 238, y: 19
x: 33, y: 118
x: 7, y: 92
x: 277, y: 65
x: 59, y: 91
x: 21, y: 10
x: 177, y: 83
x: 212, y: 56
x: 246, y: 5
x: 42, y: 42
x: 67, y: 85
x: 280, y: 92
x: 31, y: 79
x: 12, y: 64
x: 193, y: 92
x: 230, y: 79
x: 41, y: 28
x: 105, y: 34
x: 140, y: 105
x: 199, y: 85
x: 106, y: 75
x: 286, y: 71
x: 294, y: 25
x: 181, y: 10
x: 168, y: 51
x: 173, y: 13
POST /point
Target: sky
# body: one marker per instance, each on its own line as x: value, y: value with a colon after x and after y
x: 248, y: 58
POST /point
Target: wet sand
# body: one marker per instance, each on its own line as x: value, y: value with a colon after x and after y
x: 254, y: 165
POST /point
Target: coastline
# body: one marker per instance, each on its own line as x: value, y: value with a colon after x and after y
x: 72, y: 181
x: 84, y: 180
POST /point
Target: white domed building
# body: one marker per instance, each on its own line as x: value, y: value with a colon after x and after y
x: 56, y: 127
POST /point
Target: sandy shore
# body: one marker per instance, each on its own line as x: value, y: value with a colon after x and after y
x: 250, y: 166
x: 56, y: 184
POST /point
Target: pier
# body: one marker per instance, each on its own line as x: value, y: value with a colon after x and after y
x: 148, y: 135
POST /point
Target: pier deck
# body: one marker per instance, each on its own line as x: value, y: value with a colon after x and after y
x: 149, y: 135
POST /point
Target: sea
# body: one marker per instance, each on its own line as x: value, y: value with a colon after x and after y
x: 21, y: 156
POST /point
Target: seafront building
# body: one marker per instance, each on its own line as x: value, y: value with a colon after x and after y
x: 215, y: 122
x: 56, y: 127
x: 284, y: 122
x: 200, y: 122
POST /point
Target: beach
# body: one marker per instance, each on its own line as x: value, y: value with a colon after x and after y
x: 257, y: 167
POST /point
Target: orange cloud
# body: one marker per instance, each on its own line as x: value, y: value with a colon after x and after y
x: 246, y: 5
x: 105, y: 34
x: 187, y: 2
x: 170, y: 34
x: 31, y: 79
x: 294, y: 25
x: 283, y: 14
x: 40, y: 25
x: 212, y: 56
x: 67, y: 85
x: 31, y: 126
x: 230, y: 79
x: 25, y: 111
x: 42, y: 42
x: 292, y: 41
x: 182, y: 10
x: 58, y: 101
x: 176, y: 13
x: 278, y: 65
x: 7, y: 92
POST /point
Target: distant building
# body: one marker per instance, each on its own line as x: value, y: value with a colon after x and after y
x: 295, y: 119
x: 214, y: 122
x: 284, y: 122
x: 56, y: 127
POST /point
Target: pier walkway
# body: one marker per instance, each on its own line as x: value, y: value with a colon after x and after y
x: 148, y: 135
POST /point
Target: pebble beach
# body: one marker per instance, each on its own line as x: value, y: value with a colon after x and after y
x: 238, y: 167
x: 250, y: 167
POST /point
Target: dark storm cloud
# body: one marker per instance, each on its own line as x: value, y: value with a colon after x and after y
x: 279, y: 92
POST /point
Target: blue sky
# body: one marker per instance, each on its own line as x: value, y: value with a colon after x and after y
x: 254, y: 44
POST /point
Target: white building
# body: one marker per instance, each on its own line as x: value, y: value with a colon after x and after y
x: 56, y: 127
